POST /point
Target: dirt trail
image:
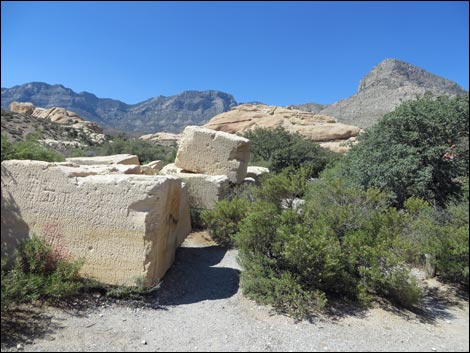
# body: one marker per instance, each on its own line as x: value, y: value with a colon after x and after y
x: 199, y: 307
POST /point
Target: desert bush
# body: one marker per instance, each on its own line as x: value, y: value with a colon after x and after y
x: 39, y: 273
x: 222, y: 221
x: 346, y: 243
x: 420, y: 149
x: 30, y: 148
x: 277, y: 149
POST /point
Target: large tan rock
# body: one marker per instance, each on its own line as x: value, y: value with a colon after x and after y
x: 204, y: 190
x: 22, y: 107
x: 214, y: 153
x: 122, y: 225
x: 152, y: 168
x: 114, y: 159
x: 163, y: 138
x: 319, y: 128
x: 58, y: 115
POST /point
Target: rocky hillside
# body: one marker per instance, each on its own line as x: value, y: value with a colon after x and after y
x: 156, y: 114
x: 55, y: 126
x: 385, y: 87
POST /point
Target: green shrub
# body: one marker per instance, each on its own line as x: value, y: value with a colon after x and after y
x: 347, y: 243
x: 222, y: 221
x: 420, y: 149
x: 277, y: 149
x: 39, y: 272
x: 283, y: 187
x: 29, y: 149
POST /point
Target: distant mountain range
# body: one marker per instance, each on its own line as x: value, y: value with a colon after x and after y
x: 155, y: 114
x: 380, y: 91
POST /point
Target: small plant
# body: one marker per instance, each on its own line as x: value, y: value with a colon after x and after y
x: 39, y: 273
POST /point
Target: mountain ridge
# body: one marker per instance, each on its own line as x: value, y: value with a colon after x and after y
x: 383, y: 88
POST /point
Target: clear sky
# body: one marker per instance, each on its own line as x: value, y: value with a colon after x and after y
x: 278, y: 53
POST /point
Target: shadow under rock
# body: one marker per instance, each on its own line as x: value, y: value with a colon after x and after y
x: 192, y: 278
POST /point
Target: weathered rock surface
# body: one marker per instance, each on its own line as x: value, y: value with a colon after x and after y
x: 151, y: 168
x: 255, y: 172
x: 124, y: 226
x: 214, y: 153
x: 22, y: 108
x: 317, y: 127
x: 204, y: 190
x: 184, y: 220
x: 104, y: 160
x: 163, y: 138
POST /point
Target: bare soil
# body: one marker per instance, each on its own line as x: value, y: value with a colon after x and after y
x: 200, y: 307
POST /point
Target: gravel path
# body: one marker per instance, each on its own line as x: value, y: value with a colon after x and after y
x: 200, y: 308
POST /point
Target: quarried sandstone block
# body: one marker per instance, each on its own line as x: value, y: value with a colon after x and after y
x: 124, y: 226
x: 211, y: 152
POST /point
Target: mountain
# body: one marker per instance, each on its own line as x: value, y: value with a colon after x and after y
x: 385, y: 87
x: 156, y: 114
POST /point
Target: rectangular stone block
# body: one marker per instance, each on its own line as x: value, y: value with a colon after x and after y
x: 211, y: 152
x: 124, y: 226
x: 114, y: 159
x: 204, y: 190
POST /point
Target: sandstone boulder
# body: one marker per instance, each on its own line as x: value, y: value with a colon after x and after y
x: 124, y: 226
x: 317, y: 127
x: 204, y: 190
x: 114, y: 159
x: 163, y: 138
x: 214, y: 153
x: 152, y: 168
x: 22, y: 108
x: 57, y: 115
x: 255, y: 172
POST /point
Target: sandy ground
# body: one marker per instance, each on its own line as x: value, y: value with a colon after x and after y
x: 199, y: 307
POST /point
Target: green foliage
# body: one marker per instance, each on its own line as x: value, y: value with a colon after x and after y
x: 282, y: 188
x: 278, y: 149
x: 39, y: 272
x: 222, y: 221
x: 420, y: 149
x: 28, y: 149
x: 145, y: 150
x: 347, y: 242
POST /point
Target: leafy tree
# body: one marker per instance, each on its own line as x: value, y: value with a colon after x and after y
x: 420, y: 149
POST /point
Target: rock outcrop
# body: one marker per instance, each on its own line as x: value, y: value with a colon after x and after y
x: 125, y: 226
x: 214, y: 153
x: 319, y: 128
x: 163, y: 138
x: 90, y: 130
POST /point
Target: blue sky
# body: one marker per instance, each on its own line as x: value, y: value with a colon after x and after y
x: 278, y: 53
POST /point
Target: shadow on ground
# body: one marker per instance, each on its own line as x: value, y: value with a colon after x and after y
x: 23, y: 325
x: 192, y: 278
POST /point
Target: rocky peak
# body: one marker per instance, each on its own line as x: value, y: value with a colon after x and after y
x: 393, y: 74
